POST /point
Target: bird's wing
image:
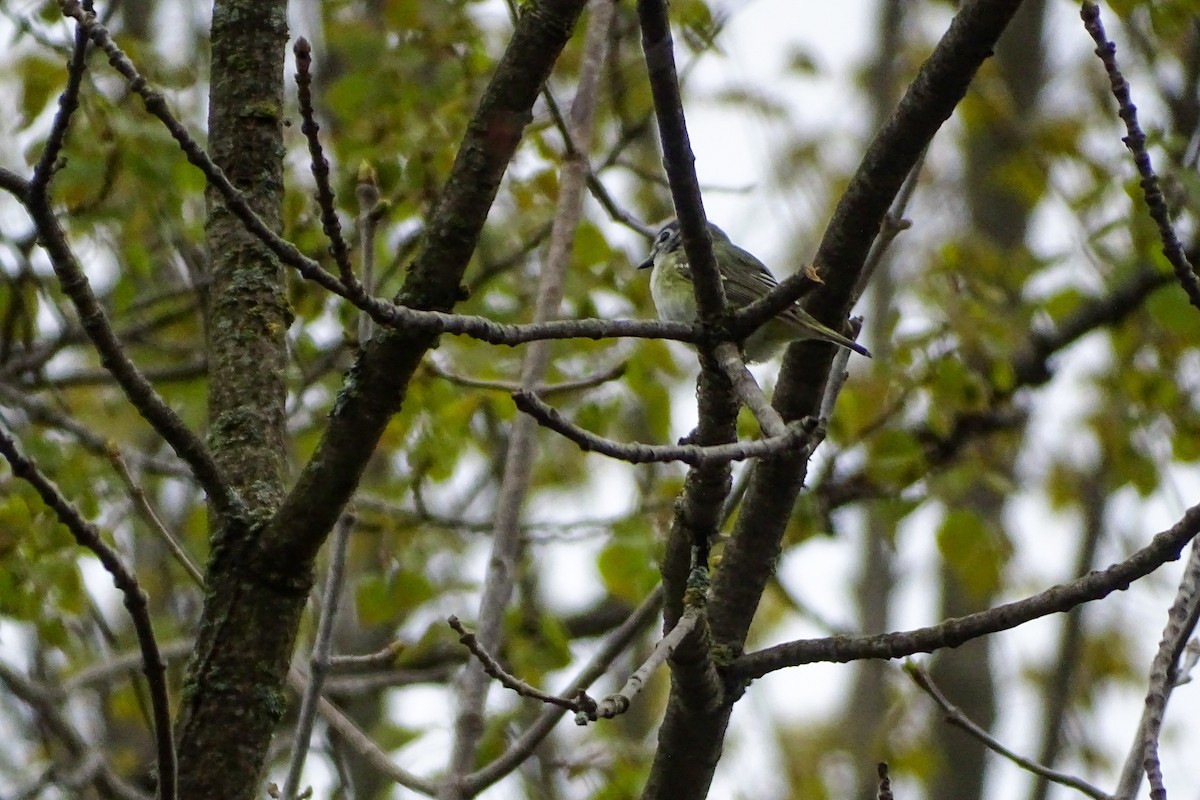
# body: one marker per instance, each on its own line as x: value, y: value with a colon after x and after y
x: 744, y: 286
x: 754, y: 281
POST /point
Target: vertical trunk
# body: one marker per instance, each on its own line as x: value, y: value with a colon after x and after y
x: 228, y: 713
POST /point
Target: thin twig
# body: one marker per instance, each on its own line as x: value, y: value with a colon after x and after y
x: 362, y: 744
x: 48, y: 416
x: 545, y: 390
x: 495, y: 669
x: 68, y: 101
x: 380, y: 658
x: 88, y: 536
x: 146, y: 511
x: 1135, y: 140
x: 116, y: 667
x: 326, y: 199
x: 839, y: 372
x: 893, y: 225
x: 619, y: 702
x: 616, y: 643
x: 748, y: 390
x: 366, y: 192
x: 795, y: 436
x: 322, y: 648
x: 95, y: 322
x: 957, y: 718
x: 42, y: 701
x: 236, y: 201
x: 1164, y: 672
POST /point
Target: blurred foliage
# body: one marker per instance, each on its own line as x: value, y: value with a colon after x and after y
x: 396, y: 82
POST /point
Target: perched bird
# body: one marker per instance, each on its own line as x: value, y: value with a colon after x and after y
x: 745, y: 279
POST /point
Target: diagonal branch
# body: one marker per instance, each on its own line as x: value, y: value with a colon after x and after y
x: 956, y: 717
x: 88, y: 535
x: 1135, y: 140
x: 521, y: 451
x: 60, y: 727
x: 68, y: 101
x: 748, y: 390
x: 793, y: 438
x: 1164, y: 547
x: 1164, y: 673
x: 518, y: 751
x: 326, y: 201
x: 34, y: 195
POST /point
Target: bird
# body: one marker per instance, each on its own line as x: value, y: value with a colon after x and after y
x: 745, y: 279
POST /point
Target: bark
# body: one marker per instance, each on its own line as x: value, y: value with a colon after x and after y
x: 692, y: 735
x: 233, y: 695
x: 261, y: 565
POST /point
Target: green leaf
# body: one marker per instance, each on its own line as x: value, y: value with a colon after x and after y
x: 974, y: 553
x: 895, y: 459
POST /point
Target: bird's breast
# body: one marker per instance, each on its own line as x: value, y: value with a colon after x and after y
x: 673, y: 295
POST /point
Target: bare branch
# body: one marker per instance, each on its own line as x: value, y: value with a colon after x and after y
x: 957, y: 718
x: 748, y: 390
x: 68, y: 101
x: 326, y: 200
x: 495, y: 669
x: 795, y: 436
x: 1135, y: 140
x: 1164, y: 547
x: 1164, y: 672
x: 88, y: 536
x: 380, y: 658
x: 41, y: 700
x: 321, y: 655
x: 147, y: 513
x: 187, y: 445
x: 544, y: 390
x: 619, y: 702
x: 613, y: 646
x: 370, y: 211
x: 362, y: 744
x: 48, y: 416
x: 234, y: 199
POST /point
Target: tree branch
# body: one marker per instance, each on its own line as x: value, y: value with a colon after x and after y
x: 326, y: 201
x: 42, y: 702
x: 1164, y: 672
x: 792, y: 439
x: 88, y: 536
x: 521, y: 452
x: 1165, y: 546
x: 518, y: 751
x: 1135, y: 140
x: 958, y: 719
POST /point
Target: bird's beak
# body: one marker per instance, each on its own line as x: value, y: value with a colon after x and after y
x: 647, y: 264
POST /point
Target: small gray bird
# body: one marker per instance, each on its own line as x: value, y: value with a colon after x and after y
x: 745, y: 279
